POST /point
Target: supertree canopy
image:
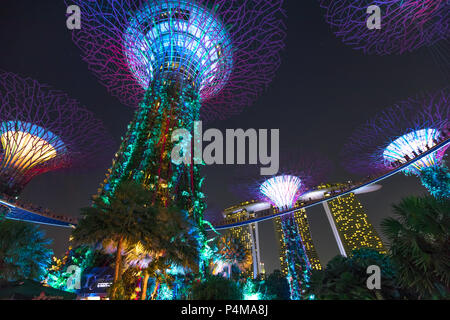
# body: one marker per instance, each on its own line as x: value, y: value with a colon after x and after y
x: 412, y: 144
x: 400, y: 134
x: 405, y: 24
x: 282, y: 190
x: 42, y: 129
x: 178, y: 40
x: 297, y: 174
x: 227, y: 50
x: 178, y: 61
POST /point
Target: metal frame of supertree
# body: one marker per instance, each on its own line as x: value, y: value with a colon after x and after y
x: 300, y: 172
x: 177, y: 61
x: 43, y: 129
x: 405, y: 26
x: 254, y: 36
x: 399, y: 134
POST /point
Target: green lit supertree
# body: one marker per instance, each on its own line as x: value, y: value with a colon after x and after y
x: 178, y: 61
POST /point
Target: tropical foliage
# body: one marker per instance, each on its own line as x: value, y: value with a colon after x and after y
x: 24, y: 252
x: 234, y: 254
x: 216, y: 288
x: 144, y: 236
x: 346, y: 278
x: 277, y: 286
x: 83, y: 257
x: 420, y: 245
x: 172, y: 245
x: 126, y: 219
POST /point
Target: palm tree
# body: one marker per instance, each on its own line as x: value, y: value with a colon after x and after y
x: 216, y: 288
x: 23, y: 251
x: 420, y: 244
x: 277, y: 286
x: 233, y: 252
x: 125, y: 219
x: 158, y: 269
x: 145, y: 259
x: 344, y: 278
x: 172, y: 243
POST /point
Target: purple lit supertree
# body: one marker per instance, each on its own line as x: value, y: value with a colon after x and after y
x: 297, y: 175
x: 227, y: 50
x: 405, y: 24
x: 399, y: 135
x: 178, y: 61
x: 42, y: 129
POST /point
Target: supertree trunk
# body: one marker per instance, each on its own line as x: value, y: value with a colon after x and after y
x: 298, y: 265
x: 145, y: 153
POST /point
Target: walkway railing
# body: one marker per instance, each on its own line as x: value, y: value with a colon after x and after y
x: 308, y: 204
x: 23, y: 212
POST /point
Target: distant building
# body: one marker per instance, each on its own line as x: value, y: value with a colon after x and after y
x: 350, y: 223
x: 248, y: 234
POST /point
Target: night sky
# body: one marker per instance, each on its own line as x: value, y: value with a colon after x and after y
x: 321, y: 92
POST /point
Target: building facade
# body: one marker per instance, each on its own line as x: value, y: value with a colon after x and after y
x: 350, y: 224
x: 248, y: 234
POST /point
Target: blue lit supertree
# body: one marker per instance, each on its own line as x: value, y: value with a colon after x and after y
x: 405, y: 24
x: 177, y: 61
x: 297, y: 175
x: 399, y: 135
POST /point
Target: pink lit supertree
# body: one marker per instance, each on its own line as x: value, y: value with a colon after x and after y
x: 298, y: 174
x: 405, y: 24
x: 42, y: 129
x: 399, y: 135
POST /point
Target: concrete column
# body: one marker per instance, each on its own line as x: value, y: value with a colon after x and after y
x: 253, y: 228
x: 333, y: 227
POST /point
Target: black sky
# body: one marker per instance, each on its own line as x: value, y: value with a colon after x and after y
x: 321, y: 92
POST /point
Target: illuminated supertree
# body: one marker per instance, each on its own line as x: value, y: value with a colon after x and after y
x: 405, y: 24
x: 42, y: 129
x: 399, y: 135
x: 171, y: 58
x: 297, y: 175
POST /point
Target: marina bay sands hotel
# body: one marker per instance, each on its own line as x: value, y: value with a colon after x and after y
x: 348, y: 221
